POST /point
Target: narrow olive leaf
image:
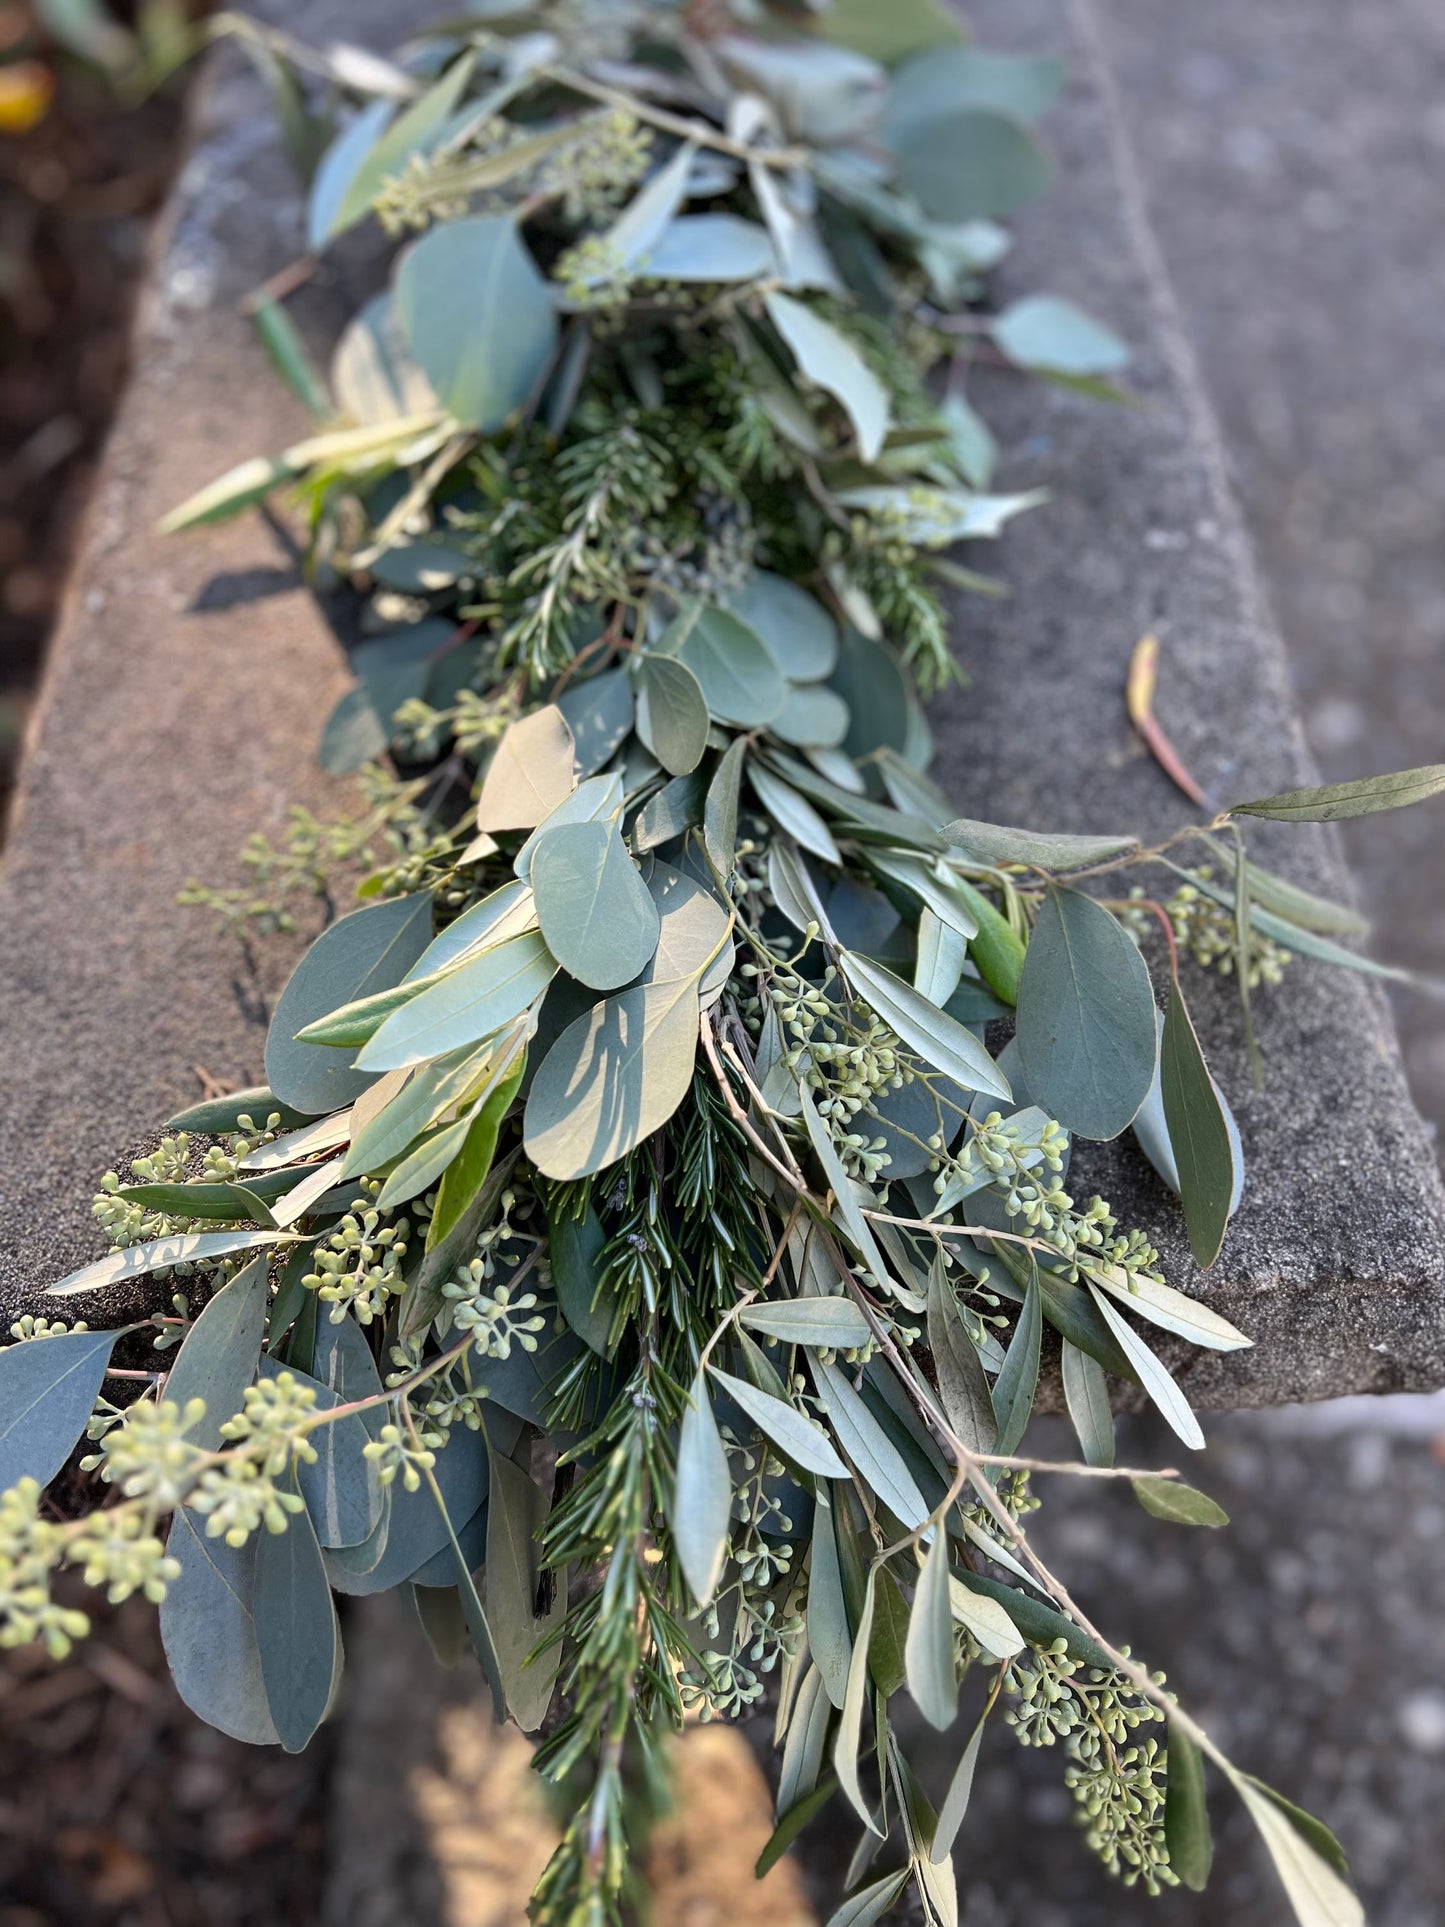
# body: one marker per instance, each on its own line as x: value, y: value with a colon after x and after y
x: 1362, y: 797
x: 478, y: 316
x: 530, y: 774
x: 994, y: 843
x: 830, y: 1640
x: 792, y: 1824
x: 1316, y: 1892
x: 955, y: 1801
x: 798, y: 1437
x: 468, y: 1004
x: 877, y: 1459
x: 962, y: 1383
x: 218, y: 1358
x: 467, y: 1172
x: 935, y: 1036
x: 290, y: 357
x: 222, y: 1202
x: 218, y: 1115
x: 1018, y: 1378
x: 793, y: 813
x: 941, y: 953
x: 928, y: 1653
x: 867, y: 1907
x: 806, y: 1743
x: 1086, y: 1394
x: 474, y: 1613
x: 672, y: 713
x: 48, y: 1389
x: 720, y: 816
x: 1153, y: 1376
x: 239, y: 488
x: 1198, y: 1133
x: 1181, y: 1504
x: 516, y: 1511
x: 296, y: 1631
x: 161, y: 1254
x: 890, y: 1634
x: 208, y: 1631
x: 849, y: 1740
x: 989, y: 1620
x: 1186, y: 1813
x: 1086, y: 1033
x: 1312, y: 1830
x: 830, y: 361
x: 369, y: 951
x: 702, y: 1496
x: 1162, y: 1305
x: 836, y: 1323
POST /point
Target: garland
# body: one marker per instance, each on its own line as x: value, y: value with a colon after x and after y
x: 635, y: 1215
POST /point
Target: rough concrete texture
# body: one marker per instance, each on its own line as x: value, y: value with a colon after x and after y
x: 1334, y: 1264
x: 1292, y: 155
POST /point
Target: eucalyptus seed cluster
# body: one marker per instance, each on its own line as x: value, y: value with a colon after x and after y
x: 1206, y: 931
x: 850, y: 1062
x: 358, y: 1265
x: 30, y: 1550
x: 29, y: 1326
x: 596, y: 169
x: 1004, y: 1154
x: 732, y: 1677
x: 1118, y: 1780
x: 394, y: 1451
x: 497, y: 1316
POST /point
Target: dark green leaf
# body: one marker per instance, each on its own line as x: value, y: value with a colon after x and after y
x: 417, y: 1531
x: 1018, y: 1378
x: 1186, y: 1813
x: 674, y: 809
x: 1181, y: 1504
x: 792, y: 1824
x: 1316, y: 1892
x: 516, y: 1512
x: 370, y: 950
x: 1198, y: 1133
x: 296, y: 1631
x: 216, y: 1116
x: 962, y: 1384
x: 478, y: 317
x: 222, y: 1202
x: 48, y: 1389
x: 575, y: 1248
x: 1362, y: 797
x: 353, y: 736
x: 1086, y: 1031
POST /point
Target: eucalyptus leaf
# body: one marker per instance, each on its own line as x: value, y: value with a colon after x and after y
x: 516, y: 1512
x: 208, y: 1630
x: 597, y: 917
x: 1086, y: 1030
x: 720, y: 814
x: 672, y: 713
x: 967, y: 162
x: 575, y: 1247
x: 478, y: 316
x: 218, y: 1359
x: 740, y: 681
x: 1186, y: 1814
x: 800, y: 635
x: 1053, y: 336
x: 530, y: 774
x: 369, y: 951
x: 296, y: 1630
x: 599, y: 711
x: 222, y: 1202
x: 717, y: 247
x: 48, y: 1389
x: 1199, y: 1134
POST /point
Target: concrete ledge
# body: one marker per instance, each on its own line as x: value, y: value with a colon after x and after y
x: 188, y: 679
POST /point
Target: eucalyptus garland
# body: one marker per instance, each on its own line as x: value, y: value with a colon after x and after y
x: 637, y: 1253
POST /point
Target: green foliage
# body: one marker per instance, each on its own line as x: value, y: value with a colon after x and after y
x: 642, y: 1246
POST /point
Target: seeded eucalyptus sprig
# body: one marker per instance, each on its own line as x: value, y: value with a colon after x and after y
x: 638, y: 1252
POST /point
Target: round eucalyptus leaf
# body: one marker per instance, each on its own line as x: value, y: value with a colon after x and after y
x: 597, y: 917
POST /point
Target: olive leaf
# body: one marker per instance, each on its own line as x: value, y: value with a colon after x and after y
x: 1017, y: 1382
x: 836, y: 1323
x: 955, y: 1800
x: 830, y: 1640
x: 470, y: 1003
x: 929, y: 1652
x: 926, y: 1029
x: 1186, y: 1815
x: 720, y: 814
x: 516, y: 1511
x: 1362, y: 797
x: 993, y: 843
x: 702, y: 1496
x: 1052, y: 335
x: 793, y: 813
x: 467, y: 1171
x: 877, y: 1459
x: 830, y: 361
x: 1179, y: 1503
x: 849, y: 1738
x: 1199, y: 1133
x: 868, y: 1906
x: 962, y: 1384
x: 1316, y: 1892
x: 1157, y: 1381
x: 48, y: 1389
x: 162, y: 1254
x: 798, y: 1437
x: 1086, y: 1395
